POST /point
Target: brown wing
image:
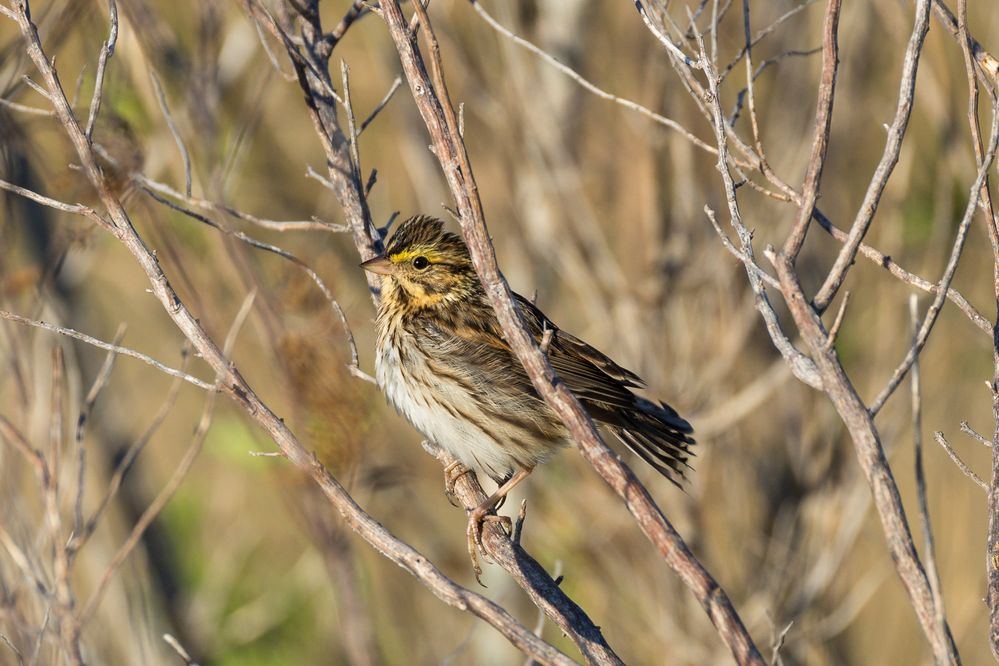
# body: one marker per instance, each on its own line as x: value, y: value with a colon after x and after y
x: 653, y: 431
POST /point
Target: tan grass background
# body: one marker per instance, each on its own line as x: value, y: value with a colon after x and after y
x: 590, y: 205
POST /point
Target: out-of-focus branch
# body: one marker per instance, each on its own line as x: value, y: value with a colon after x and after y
x: 107, y: 50
x: 167, y: 492
x: 233, y: 383
x: 587, y: 84
x: 185, y: 156
x: 434, y: 103
x: 929, y: 547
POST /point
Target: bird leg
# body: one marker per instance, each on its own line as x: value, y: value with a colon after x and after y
x: 452, y: 473
x: 481, y: 514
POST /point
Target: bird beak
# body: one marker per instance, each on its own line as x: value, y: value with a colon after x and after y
x: 380, y: 264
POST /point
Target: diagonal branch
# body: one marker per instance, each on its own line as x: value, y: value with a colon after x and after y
x: 823, y: 122
x: 854, y: 414
x: 889, y: 158
x: 438, y: 114
x: 233, y: 383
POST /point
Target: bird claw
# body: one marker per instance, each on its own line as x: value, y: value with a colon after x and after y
x: 452, y: 473
x: 477, y: 517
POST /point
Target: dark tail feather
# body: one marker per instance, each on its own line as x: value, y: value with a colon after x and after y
x: 659, y: 437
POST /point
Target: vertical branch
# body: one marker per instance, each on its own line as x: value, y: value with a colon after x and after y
x: 889, y: 158
x: 232, y: 382
x: 859, y: 422
x: 929, y: 548
x: 972, y: 52
x: 106, y: 52
x: 823, y: 122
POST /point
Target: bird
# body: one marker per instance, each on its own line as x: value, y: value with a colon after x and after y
x: 443, y: 363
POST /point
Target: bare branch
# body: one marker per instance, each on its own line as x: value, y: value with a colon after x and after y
x: 396, y: 84
x: 905, y: 276
x: 948, y: 276
x: 889, y: 158
x: 75, y: 209
x: 233, y: 382
x: 834, y: 329
x: 967, y: 471
x: 178, y: 139
x: 125, y: 351
x: 929, y: 549
x: 588, y: 85
x: 823, y: 122
x: 434, y: 103
x: 672, y: 48
x: 107, y: 50
x: 971, y: 432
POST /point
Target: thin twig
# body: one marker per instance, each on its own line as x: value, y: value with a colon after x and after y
x: 907, y: 277
x: 968, y: 430
x: 432, y: 98
x: 749, y: 263
x: 107, y: 51
x: 889, y: 158
x: 396, y: 84
x: 834, y: 329
x: 588, y: 85
x: 178, y: 139
x: 820, y: 142
x: 672, y: 48
x: 103, y: 375
x: 179, y: 649
x: 24, y: 108
x: 100, y: 344
x: 131, y: 453
x: 758, y: 37
x: 968, y: 472
x: 929, y: 549
x: 942, y: 287
x: 76, y: 209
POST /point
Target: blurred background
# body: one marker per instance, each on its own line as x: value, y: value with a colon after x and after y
x: 592, y: 206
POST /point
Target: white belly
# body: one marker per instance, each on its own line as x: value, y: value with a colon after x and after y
x: 443, y: 411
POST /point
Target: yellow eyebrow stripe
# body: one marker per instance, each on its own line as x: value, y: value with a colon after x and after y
x: 406, y: 255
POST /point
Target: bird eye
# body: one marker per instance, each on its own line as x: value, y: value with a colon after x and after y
x: 420, y: 263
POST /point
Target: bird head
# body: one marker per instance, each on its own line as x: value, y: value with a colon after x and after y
x: 424, y: 266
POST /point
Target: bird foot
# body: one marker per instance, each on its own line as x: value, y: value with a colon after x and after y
x: 452, y: 473
x: 477, y: 517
